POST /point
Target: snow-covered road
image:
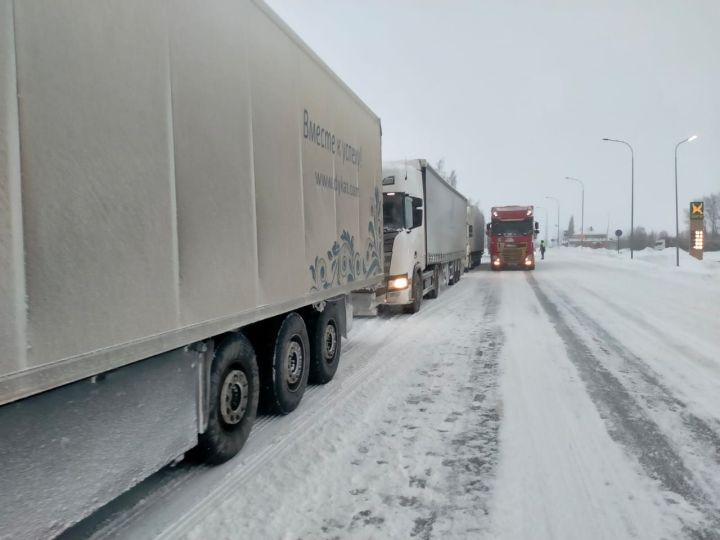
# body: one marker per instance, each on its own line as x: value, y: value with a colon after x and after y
x: 581, y: 400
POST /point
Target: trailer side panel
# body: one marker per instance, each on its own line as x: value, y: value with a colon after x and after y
x: 446, y: 214
x: 186, y: 169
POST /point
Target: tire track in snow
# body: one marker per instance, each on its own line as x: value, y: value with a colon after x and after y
x: 474, y: 465
x: 441, y: 432
x: 700, y: 429
x: 686, y: 351
x: 630, y: 425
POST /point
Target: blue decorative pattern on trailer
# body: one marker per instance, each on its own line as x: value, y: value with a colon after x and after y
x: 343, y: 264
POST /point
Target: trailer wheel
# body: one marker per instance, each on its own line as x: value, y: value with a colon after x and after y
x: 455, y: 276
x: 289, y: 366
x: 325, y: 344
x: 234, y: 391
x: 436, y: 284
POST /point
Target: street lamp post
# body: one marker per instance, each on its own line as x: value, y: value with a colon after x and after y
x: 582, y: 215
x: 557, y: 202
x: 677, y: 218
x: 632, y: 189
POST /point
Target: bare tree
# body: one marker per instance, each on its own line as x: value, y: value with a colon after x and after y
x: 712, y: 213
x: 640, y: 238
x: 449, y: 178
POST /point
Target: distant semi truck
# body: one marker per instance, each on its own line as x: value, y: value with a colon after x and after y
x: 475, y: 237
x: 188, y: 195
x: 511, y: 237
x: 424, y: 233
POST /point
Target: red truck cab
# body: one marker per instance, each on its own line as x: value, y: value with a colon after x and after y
x: 511, y: 237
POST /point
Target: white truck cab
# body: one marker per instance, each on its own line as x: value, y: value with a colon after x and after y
x: 404, y: 231
x: 424, y: 233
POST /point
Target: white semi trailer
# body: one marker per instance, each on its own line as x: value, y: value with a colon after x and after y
x: 475, y: 236
x: 188, y: 195
x: 424, y: 233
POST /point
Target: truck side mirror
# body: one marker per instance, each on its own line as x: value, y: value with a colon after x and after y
x: 417, y: 216
x: 488, y: 228
x: 417, y: 212
x: 537, y: 226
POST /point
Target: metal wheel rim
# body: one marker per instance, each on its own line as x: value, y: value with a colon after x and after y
x: 330, y: 341
x: 234, y: 397
x: 294, y: 363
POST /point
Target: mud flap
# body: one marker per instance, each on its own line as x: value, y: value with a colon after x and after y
x: 363, y: 304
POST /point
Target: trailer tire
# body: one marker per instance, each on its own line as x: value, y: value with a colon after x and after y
x: 325, y: 344
x: 455, y: 276
x: 234, y: 391
x: 436, y: 284
x: 288, y: 366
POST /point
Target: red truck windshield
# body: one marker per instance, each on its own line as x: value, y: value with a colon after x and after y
x: 512, y: 228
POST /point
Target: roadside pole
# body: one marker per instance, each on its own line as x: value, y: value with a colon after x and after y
x: 697, y: 229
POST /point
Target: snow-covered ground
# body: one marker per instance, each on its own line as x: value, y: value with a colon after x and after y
x: 577, y: 401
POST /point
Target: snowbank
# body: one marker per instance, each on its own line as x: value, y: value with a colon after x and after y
x: 658, y: 260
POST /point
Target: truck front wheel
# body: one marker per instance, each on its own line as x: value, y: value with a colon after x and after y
x: 325, y: 344
x: 417, y: 293
x: 234, y: 391
x: 436, y: 283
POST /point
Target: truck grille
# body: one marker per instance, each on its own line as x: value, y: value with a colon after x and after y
x: 388, y: 241
x: 512, y: 255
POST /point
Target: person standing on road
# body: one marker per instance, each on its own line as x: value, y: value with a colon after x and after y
x: 542, y: 249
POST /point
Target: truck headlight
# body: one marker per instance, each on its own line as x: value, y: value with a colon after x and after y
x: 398, y: 283
x: 528, y: 261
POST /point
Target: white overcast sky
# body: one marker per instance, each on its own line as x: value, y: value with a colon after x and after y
x: 516, y: 95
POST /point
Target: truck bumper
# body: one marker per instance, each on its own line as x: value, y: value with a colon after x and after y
x: 364, y: 303
x: 397, y: 298
x: 502, y: 265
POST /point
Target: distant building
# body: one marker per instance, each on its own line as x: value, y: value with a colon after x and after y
x: 592, y: 240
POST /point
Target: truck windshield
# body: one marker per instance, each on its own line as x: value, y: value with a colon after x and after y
x: 393, y: 211
x: 512, y: 228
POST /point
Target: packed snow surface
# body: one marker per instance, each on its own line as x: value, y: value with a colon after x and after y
x: 580, y: 400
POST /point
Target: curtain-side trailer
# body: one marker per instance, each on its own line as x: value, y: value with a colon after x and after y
x: 475, y: 236
x: 188, y: 196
